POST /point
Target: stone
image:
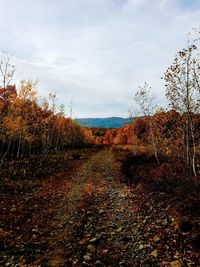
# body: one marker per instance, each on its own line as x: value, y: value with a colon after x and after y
x: 156, y: 239
x: 141, y: 247
x: 101, y: 212
x: 175, y: 264
x: 119, y: 229
x: 82, y: 242
x: 154, y: 253
x: 105, y: 251
x: 87, y: 258
x: 165, y: 222
x: 91, y: 249
x: 74, y: 263
x: 93, y: 240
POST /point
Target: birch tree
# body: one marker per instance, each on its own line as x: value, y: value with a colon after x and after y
x: 182, y: 81
x: 145, y: 101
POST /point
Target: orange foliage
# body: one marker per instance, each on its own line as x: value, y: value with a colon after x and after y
x: 28, y: 127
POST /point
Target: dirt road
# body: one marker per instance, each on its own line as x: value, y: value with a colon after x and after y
x: 86, y: 216
x: 94, y: 224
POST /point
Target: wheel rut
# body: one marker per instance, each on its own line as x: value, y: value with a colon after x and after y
x: 107, y: 232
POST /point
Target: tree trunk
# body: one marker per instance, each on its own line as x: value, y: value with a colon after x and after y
x: 19, y: 145
x: 193, y: 156
x: 154, y: 145
x: 7, y: 150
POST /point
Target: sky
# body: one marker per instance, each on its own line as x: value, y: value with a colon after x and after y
x: 95, y: 52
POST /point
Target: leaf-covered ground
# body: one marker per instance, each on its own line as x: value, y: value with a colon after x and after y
x: 73, y: 210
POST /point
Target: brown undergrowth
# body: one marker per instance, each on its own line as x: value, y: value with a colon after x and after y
x: 29, y: 195
x: 167, y: 187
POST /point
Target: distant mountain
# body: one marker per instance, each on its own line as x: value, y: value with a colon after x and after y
x: 111, y: 122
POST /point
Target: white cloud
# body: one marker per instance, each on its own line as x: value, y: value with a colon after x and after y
x: 95, y: 52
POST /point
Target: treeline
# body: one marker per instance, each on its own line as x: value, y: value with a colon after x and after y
x: 29, y: 125
x: 172, y: 132
x: 178, y: 129
x: 166, y: 133
x: 168, y: 129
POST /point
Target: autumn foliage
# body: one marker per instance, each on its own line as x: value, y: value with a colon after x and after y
x: 167, y: 128
x: 29, y: 126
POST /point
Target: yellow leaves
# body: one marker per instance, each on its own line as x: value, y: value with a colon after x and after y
x: 27, y: 90
x: 25, y: 119
x: 12, y: 125
x: 45, y: 105
x: 1, y: 105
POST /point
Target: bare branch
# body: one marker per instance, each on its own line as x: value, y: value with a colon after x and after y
x: 7, y: 70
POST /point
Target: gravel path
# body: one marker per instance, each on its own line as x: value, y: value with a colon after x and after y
x: 90, y: 218
x: 95, y: 224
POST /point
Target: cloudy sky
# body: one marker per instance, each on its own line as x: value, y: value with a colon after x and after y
x: 95, y: 52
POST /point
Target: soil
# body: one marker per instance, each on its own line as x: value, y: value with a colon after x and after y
x: 82, y: 214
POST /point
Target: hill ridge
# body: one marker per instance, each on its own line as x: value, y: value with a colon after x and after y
x: 107, y: 122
